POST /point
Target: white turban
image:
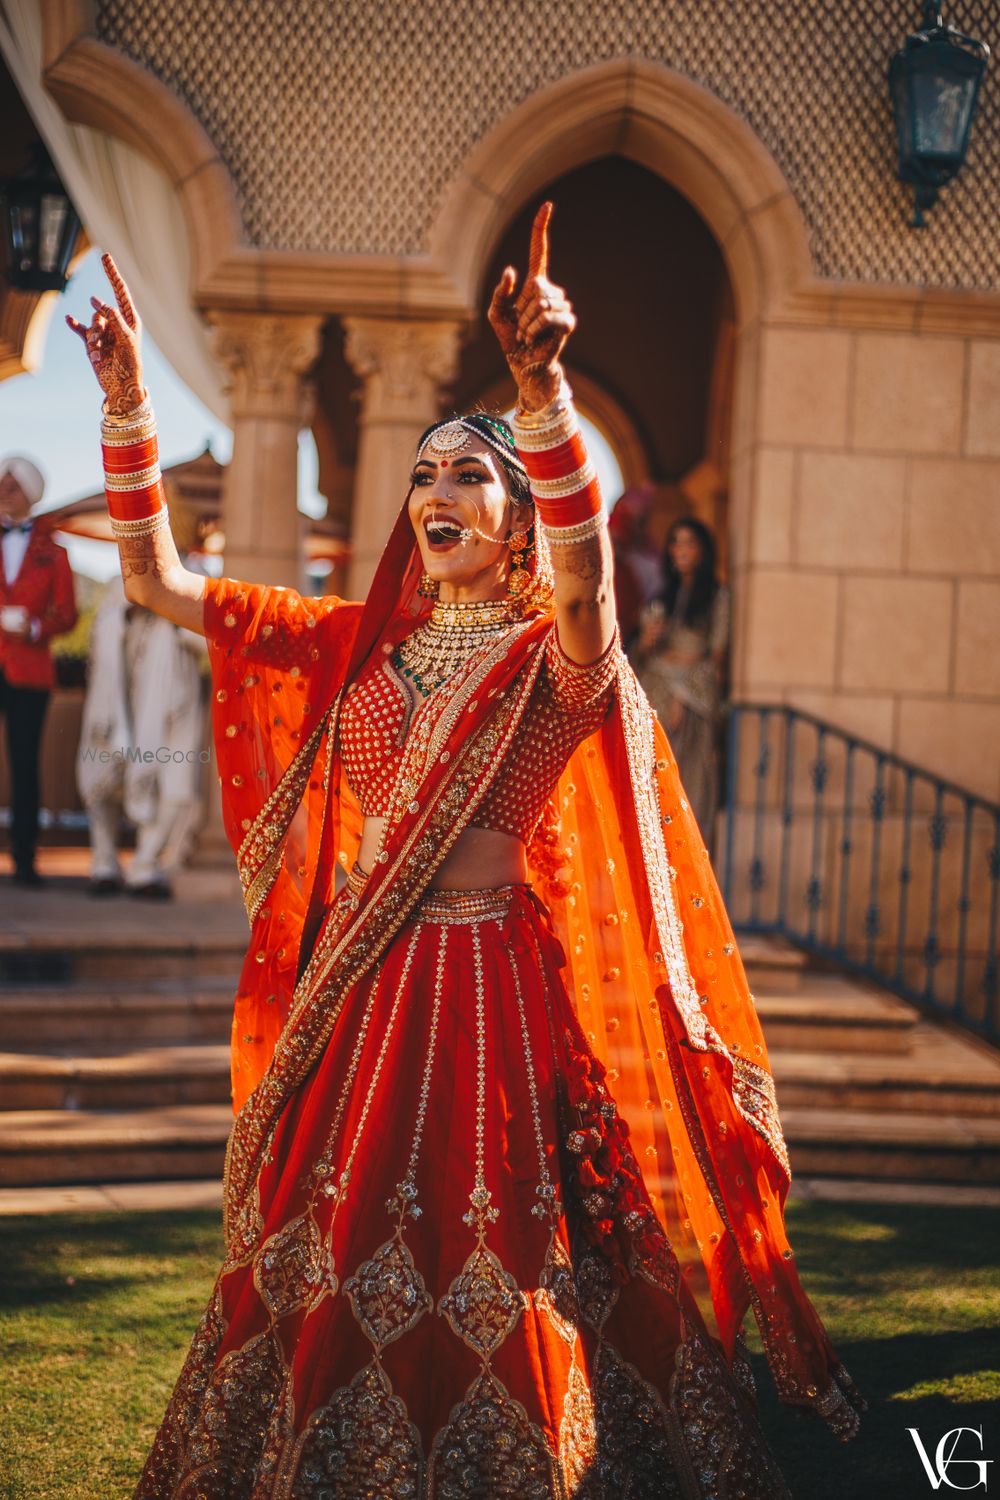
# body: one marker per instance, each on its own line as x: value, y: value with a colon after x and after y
x: 26, y: 474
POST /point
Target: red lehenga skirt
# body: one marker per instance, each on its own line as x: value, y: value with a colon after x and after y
x: 441, y: 1295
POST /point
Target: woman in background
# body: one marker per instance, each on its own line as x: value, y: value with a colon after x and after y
x: 680, y: 659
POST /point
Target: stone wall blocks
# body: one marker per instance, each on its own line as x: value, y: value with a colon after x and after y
x: 804, y: 387
x: 773, y: 505
x: 977, y: 656
x: 866, y: 716
x: 907, y: 393
x: 954, y: 517
x: 896, y: 634
x: 790, y: 631
x: 954, y: 739
x: 982, y: 436
x: 850, y: 511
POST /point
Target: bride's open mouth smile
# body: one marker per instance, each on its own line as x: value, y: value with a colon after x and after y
x: 444, y: 534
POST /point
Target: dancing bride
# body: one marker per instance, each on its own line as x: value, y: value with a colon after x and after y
x: 507, y: 1171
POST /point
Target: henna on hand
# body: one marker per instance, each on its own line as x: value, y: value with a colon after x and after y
x: 112, y: 340
x: 532, y: 327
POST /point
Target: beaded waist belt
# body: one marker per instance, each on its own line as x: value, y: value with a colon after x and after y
x: 492, y: 903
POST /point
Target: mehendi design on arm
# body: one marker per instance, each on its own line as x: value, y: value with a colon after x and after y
x: 584, y: 560
x: 143, y: 556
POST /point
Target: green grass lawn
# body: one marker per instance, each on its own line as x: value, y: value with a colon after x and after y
x: 97, y: 1311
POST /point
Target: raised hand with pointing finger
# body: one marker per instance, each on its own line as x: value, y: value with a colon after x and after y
x: 532, y: 325
x: 152, y: 571
x: 113, y: 346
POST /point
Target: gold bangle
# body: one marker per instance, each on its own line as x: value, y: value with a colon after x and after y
x: 565, y: 536
x: 561, y: 402
x: 139, y: 413
x: 138, y: 479
x: 144, y: 526
x: 129, y: 436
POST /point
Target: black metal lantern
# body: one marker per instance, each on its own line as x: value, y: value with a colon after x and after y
x: 40, y: 227
x: 934, y: 82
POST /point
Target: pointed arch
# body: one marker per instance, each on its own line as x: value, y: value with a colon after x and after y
x: 660, y: 119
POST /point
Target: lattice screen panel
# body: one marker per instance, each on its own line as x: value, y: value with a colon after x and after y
x: 342, y: 120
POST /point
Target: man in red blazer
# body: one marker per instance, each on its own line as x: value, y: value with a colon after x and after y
x: 36, y: 603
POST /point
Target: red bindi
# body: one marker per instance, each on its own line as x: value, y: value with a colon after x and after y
x: 444, y: 463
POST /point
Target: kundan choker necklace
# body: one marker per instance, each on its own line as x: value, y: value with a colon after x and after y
x: 438, y: 648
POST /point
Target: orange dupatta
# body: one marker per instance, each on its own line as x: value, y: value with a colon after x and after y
x: 652, y: 968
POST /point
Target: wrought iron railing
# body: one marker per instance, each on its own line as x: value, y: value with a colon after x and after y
x: 863, y: 858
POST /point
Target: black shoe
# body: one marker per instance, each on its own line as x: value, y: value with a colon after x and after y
x: 106, y: 885
x: 154, y: 890
x: 27, y: 875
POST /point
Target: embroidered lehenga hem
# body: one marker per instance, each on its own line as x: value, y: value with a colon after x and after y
x: 519, y: 1327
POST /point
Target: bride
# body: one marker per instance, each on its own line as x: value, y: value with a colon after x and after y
x: 507, y: 1170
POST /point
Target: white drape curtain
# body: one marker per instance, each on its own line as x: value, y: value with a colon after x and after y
x: 128, y: 207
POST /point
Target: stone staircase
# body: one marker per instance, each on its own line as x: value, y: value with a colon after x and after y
x: 867, y: 1086
x: 115, y: 1066
x: 115, y: 1060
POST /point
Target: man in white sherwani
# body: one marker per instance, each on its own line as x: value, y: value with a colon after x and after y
x: 142, y: 749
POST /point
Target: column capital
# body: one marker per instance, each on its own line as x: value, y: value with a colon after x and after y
x: 266, y: 357
x: 404, y: 364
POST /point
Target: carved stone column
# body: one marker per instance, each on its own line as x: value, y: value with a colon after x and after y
x: 267, y: 358
x: 405, y: 366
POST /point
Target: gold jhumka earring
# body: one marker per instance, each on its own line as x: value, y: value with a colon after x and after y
x: 519, y: 578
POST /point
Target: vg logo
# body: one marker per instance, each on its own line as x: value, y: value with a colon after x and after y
x: 946, y: 1460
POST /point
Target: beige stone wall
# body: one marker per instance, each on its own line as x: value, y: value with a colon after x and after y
x: 868, y: 572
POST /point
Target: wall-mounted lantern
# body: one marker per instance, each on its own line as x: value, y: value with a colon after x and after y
x: 39, y: 225
x: 934, y: 82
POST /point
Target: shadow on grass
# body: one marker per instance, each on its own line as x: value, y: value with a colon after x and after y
x: 108, y: 1255
x: 897, y: 1376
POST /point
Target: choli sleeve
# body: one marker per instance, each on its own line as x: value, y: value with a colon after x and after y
x: 580, y: 689
x: 277, y: 659
x: 273, y: 627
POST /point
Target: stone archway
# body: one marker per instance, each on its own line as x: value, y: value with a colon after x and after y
x: 663, y: 121
x: 686, y: 136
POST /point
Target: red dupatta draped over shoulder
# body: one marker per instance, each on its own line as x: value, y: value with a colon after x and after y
x: 652, y: 967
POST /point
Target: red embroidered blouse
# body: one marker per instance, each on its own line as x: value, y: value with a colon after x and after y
x: 568, y: 704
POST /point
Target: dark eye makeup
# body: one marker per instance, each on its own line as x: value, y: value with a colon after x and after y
x: 421, y: 477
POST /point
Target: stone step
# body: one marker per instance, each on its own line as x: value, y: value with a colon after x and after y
x: 188, y: 1141
x: 61, y: 958
x: 96, y: 1013
x: 898, y: 1146
x: 127, y: 1078
x: 830, y: 1013
x: 62, y: 1146
x: 771, y: 963
x: 944, y: 1079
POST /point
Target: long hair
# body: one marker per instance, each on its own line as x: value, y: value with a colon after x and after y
x: 704, y: 585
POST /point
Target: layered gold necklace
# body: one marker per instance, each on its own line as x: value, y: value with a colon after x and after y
x: 443, y: 644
